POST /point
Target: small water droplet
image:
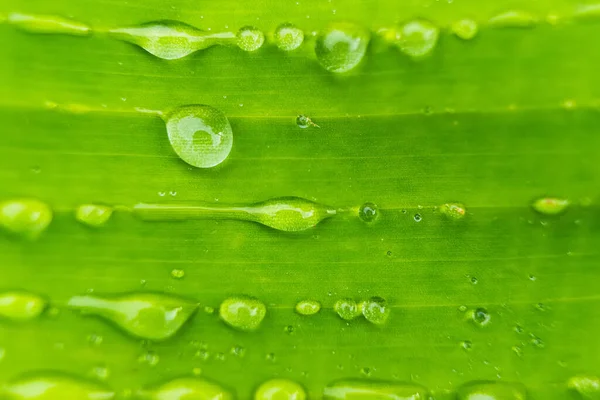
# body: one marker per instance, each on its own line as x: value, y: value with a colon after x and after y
x: 250, y: 38
x: 417, y: 38
x: 518, y: 351
x: 417, y: 218
x: 342, y: 46
x: 532, y: 278
x: 21, y: 306
x: 541, y: 307
x: 280, y: 389
x: 550, y: 205
x: 462, y: 308
x: 454, y: 211
x: 368, y: 212
x: 220, y: 357
x: 209, y: 309
x: 474, y: 280
x: 162, y: 194
x: 466, y: 345
x: 270, y: 357
x: 177, y: 273
x: 202, y: 354
x: 94, y: 339
x: 480, y: 316
x: 238, y: 351
x: 288, y: 37
x: 243, y: 313
x: 465, y: 29
x: 366, y: 371
x: 93, y: 215
x: 305, y: 122
x: 308, y: 307
x: 376, y: 310
x: 518, y: 329
x: 100, y: 372
x: 150, y: 358
x: 537, y: 342
x: 347, y: 309
x: 27, y: 218
x: 172, y: 193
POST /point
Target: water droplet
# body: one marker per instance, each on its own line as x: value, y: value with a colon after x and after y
x: 250, y: 38
x: 550, y: 205
x: 288, y: 37
x: 491, y: 390
x: 49, y: 24
x: 289, y: 329
x: 150, y: 358
x: 462, y: 308
x: 465, y: 29
x: 342, y: 46
x: 480, y: 316
x: 162, y: 194
x: 93, y: 215
x: 541, y: 307
x: 518, y: 351
x: 587, y: 386
x: 518, y: 329
x: 27, y: 218
x: 532, y: 278
x: 308, y: 307
x: 243, y: 313
x: 95, y: 339
x: 238, y: 351
x: 220, y: 357
x: 513, y: 19
x: 305, y: 122
x: 172, y: 193
x: 417, y: 218
x: 201, y: 135
x: 280, y: 389
x: 187, y: 389
x: 453, y: 211
x: 50, y: 386
x: 177, y: 273
x: 367, y: 389
x: 202, y: 354
x: 152, y: 316
x: 368, y: 212
x: 270, y: 357
x: 209, y: 309
x: 474, y: 280
x: 100, y: 372
x: 417, y: 38
x: 170, y: 40
x: 537, y: 342
x: 347, y: 309
x: 466, y: 345
x: 376, y: 310
x: 21, y: 306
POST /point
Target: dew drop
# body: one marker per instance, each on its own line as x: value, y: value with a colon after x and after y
x: 270, y: 357
x: 417, y: 218
x: 152, y: 316
x: 586, y: 386
x: 347, y: 309
x: 376, y: 310
x: 305, y: 122
x: 342, y: 46
x: 491, y: 390
x: 21, y: 306
x: 93, y: 215
x: 201, y: 135
x: 465, y: 29
x: 370, y: 389
x: 466, y: 345
x: 513, y: 19
x: 250, y: 38
x: 238, y: 351
x: 243, y: 313
x: 417, y: 38
x: 100, y: 372
x: 162, y: 194
x: 209, y: 309
x: 49, y: 24
x: 474, y: 280
x: 288, y: 37
x: 537, y: 342
x: 177, y: 273
x: 26, y: 218
x: 150, y: 358
x: 368, y: 212
x: 52, y: 385
x: 289, y: 329
x: 550, y: 205
x: 280, y: 389
x: 453, y: 211
x: 187, y: 389
x: 308, y: 307
x: 518, y: 351
x: 480, y: 316
x: 95, y: 339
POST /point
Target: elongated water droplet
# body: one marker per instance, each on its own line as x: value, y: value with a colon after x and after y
x: 27, y: 218
x: 376, y: 310
x: 200, y: 135
x: 186, y: 389
x: 308, y: 307
x: 465, y: 29
x: 417, y: 38
x: 347, y: 309
x: 454, y: 211
x: 288, y: 37
x: 280, y: 389
x: 550, y: 205
x: 152, y: 316
x: 49, y: 24
x: 21, y: 306
x: 243, y: 313
x: 171, y: 40
x: 513, y: 19
x: 54, y: 386
x: 93, y: 215
x: 490, y: 390
x: 342, y: 46
x: 289, y: 214
x: 586, y: 386
x: 250, y: 38
x: 305, y: 122
x: 368, y: 212
x: 351, y: 389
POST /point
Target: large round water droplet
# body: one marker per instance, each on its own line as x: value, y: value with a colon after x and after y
x: 347, y: 309
x: 280, y: 389
x: 418, y: 38
x: 27, y: 218
x: 243, y: 313
x: 308, y: 307
x: 342, y: 46
x: 376, y: 310
x: 200, y: 135
x: 288, y: 37
x: 93, y: 215
x: 368, y: 212
x: 21, y: 306
x: 250, y: 38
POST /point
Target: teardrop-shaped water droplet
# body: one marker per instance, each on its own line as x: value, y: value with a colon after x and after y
x: 288, y: 37
x: 93, y: 215
x: 513, y: 19
x: 376, y: 310
x: 550, y: 205
x: 55, y: 386
x: 49, y: 24
x: 586, y: 386
x: 152, y: 316
x: 454, y: 211
x: 342, y: 46
x: 368, y: 212
x: 280, y: 389
x: 308, y: 307
x: 200, y: 135
x: 354, y: 389
x: 465, y: 29
x: 170, y: 40
x: 186, y: 389
x: 491, y: 390
x: 417, y: 38
x: 27, y: 218
x: 21, y: 306
x: 243, y: 313
x: 347, y: 309
x: 250, y: 38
